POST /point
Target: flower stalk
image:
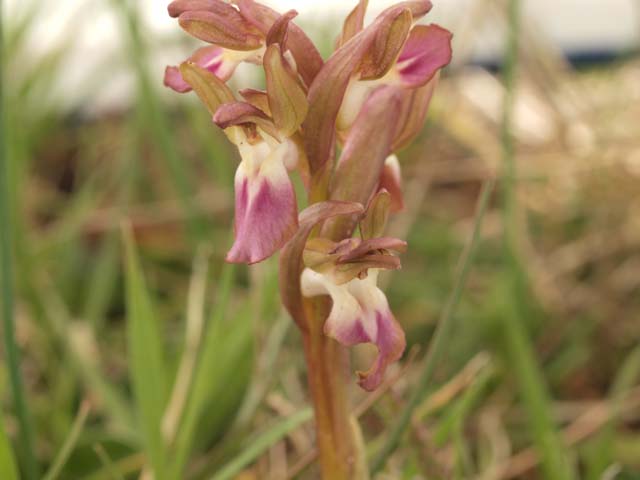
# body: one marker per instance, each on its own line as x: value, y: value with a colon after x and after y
x: 328, y: 378
x: 370, y: 98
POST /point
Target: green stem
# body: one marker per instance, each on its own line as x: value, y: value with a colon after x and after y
x: 520, y: 353
x: 69, y: 444
x: 441, y: 337
x: 6, y: 277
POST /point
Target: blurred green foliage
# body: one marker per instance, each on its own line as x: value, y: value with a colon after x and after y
x: 105, y: 323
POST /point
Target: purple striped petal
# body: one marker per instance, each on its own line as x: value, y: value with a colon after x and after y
x: 360, y: 314
x: 266, y: 213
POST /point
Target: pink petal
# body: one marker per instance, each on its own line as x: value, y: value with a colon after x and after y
x: 427, y: 50
x: 266, y: 210
x: 210, y: 58
x: 173, y: 79
x: 391, y: 343
x: 347, y: 322
x: 385, y: 332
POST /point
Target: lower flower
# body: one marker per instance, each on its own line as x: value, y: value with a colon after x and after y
x: 360, y: 314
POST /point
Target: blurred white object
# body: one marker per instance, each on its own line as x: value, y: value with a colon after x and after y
x: 571, y: 25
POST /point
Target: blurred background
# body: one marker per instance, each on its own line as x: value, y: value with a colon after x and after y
x: 545, y: 350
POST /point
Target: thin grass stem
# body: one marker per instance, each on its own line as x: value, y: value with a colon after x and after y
x: 69, y: 443
x: 519, y: 351
x: 7, y: 297
x: 107, y: 463
x: 442, y: 335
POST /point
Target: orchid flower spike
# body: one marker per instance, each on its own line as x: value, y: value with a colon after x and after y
x: 369, y: 99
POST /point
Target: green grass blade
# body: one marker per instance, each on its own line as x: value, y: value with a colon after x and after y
x: 224, y: 358
x: 601, y: 449
x: 534, y: 396
x: 519, y: 351
x: 146, y: 364
x: 461, y: 408
x: 127, y: 467
x: 261, y: 443
x: 441, y: 337
x: 41, y: 293
x: 8, y: 470
x: 107, y: 463
x: 102, y: 282
x: 69, y: 443
x: 6, y: 280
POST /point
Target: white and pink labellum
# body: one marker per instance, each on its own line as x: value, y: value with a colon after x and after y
x: 266, y: 213
x: 360, y: 314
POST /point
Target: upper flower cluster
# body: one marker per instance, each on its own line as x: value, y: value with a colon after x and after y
x: 370, y: 98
